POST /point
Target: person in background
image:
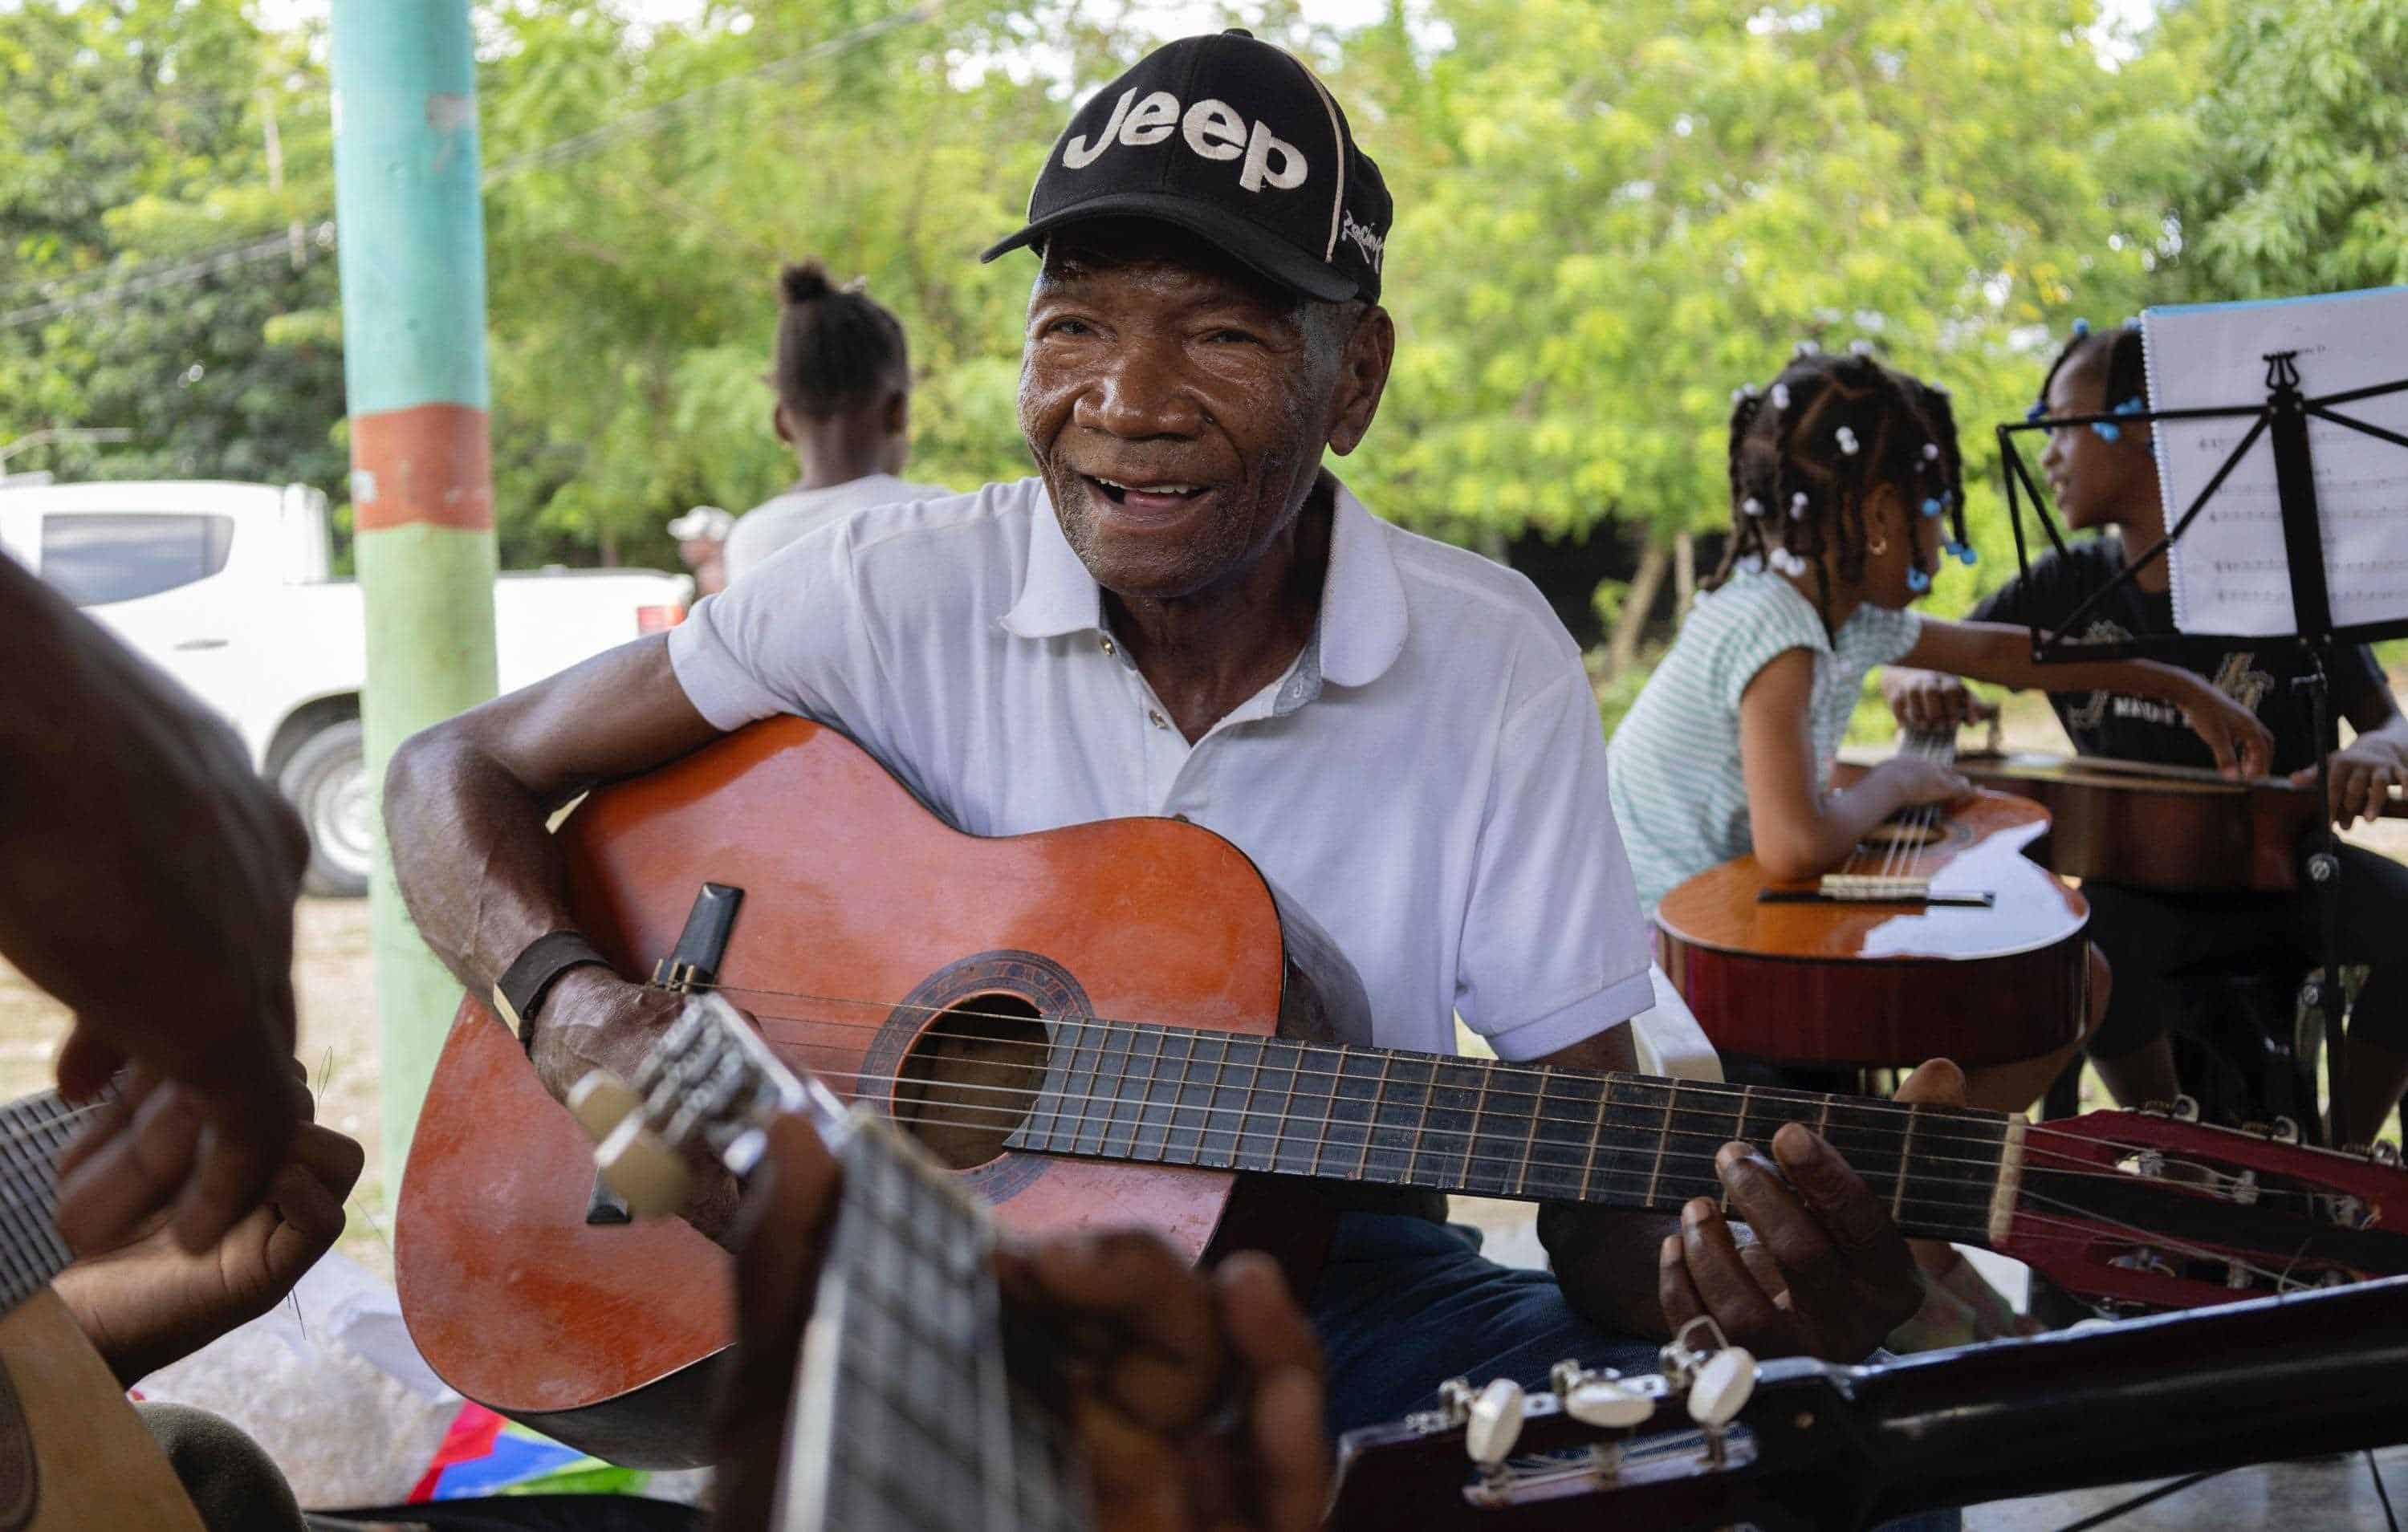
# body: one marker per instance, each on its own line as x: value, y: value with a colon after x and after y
x: 843, y: 378
x: 701, y: 537
x: 2105, y: 479
x: 1840, y: 473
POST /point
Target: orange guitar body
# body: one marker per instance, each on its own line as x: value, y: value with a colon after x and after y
x: 1889, y: 984
x: 864, y: 919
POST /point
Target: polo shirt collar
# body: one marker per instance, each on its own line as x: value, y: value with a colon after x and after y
x: 1362, y: 625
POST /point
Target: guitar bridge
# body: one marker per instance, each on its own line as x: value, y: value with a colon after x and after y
x: 1843, y: 888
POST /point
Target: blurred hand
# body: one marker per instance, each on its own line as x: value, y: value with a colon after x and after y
x: 2242, y: 747
x: 1151, y: 1352
x: 148, y: 1302
x: 1927, y: 701
x: 147, y: 879
x: 2363, y: 774
x: 1911, y: 780
x: 1827, y: 1272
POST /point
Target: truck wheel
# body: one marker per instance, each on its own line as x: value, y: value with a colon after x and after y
x: 327, y: 781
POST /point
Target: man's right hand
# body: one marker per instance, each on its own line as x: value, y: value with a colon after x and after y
x: 591, y: 1019
x: 1927, y: 701
x: 1910, y: 781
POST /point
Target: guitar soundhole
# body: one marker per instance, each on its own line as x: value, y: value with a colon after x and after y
x: 969, y: 1078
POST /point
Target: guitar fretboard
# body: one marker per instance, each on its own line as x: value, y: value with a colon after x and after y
x: 33, y: 1131
x: 1173, y: 1095
x: 907, y: 1418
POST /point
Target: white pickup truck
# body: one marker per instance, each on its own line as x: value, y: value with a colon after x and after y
x: 226, y: 587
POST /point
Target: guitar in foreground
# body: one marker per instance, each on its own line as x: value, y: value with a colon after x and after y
x: 74, y: 1457
x: 1718, y: 1438
x: 1106, y: 1024
x: 907, y: 1414
x: 1939, y: 937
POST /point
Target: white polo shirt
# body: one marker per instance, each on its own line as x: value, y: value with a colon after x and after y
x: 1427, y: 781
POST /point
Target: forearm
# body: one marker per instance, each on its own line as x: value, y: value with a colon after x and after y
x: 478, y: 869
x: 1824, y: 837
x: 1995, y: 652
x: 1605, y: 1260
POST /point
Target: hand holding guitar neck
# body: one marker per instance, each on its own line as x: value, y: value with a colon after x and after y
x: 1128, y: 1366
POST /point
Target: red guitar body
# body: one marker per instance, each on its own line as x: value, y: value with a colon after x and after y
x: 592, y: 1333
x: 1889, y: 984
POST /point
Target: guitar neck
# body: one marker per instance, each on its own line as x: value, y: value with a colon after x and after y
x: 33, y: 1131
x: 908, y: 1414
x: 1172, y: 1096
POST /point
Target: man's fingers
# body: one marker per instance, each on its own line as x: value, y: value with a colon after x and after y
x: 1263, y: 1325
x: 1165, y: 1356
x: 135, y: 1170
x: 1816, y: 1269
x: 334, y: 1159
x: 233, y: 1160
x: 1291, y: 1454
x: 1674, y: 1289
x: 1729, y: 1292
x: 1936, y: 1082
x: 1854, y: 1218
x: 86, y: 1063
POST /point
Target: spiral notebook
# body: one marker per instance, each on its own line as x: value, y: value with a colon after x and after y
x: 2230, y: 571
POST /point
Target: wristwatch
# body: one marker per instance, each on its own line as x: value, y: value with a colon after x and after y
x: 517, y: 994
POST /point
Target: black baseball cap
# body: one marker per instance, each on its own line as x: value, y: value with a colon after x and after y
x: 1235, y: 141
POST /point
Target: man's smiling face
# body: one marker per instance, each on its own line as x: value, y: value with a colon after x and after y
x: 1176, y: 404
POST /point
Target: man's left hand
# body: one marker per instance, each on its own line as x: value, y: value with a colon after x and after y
x: 2363, y: 776
x: 1826, y: 1273
x: 150, y: 1302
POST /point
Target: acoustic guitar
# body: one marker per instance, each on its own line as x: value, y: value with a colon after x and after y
x: 2176, y: 828
x: 74, y: 1457
x: 910, y: 1411
x: 1166, y: 1024
x: 1938, y: 937
x: 1718, y: 1438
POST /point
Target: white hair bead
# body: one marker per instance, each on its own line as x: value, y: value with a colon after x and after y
x: 1751, y: 505
x: 1860, y: 347
x: 1930, y: 452
x: 1798, y: 506
x: 1807, y: 347
x: 1847, y: 440
x: 1781, y: 396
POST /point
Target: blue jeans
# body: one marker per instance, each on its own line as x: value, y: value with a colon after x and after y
x: 1405, y: 1304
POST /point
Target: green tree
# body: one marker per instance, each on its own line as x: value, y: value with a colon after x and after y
x: 143, y: 137
x: 1611, y: 215
x: 2302, y: 165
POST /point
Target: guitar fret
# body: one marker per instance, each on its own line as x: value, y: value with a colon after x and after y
x: 1171, y: 1147
x: 1206, y: 1153
x: 1905, y: 1148
x: 1111, y: 1099
x: 1372, y: 1129
x: 1149, y: 1144
x: 1287, y: 1105
x: 1529, y: 1140
x: 1739, y: 1131
x: 1663, y: 1142
x: 1244, y: 1158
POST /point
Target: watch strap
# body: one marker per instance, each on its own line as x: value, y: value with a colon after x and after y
x: 517, y: 994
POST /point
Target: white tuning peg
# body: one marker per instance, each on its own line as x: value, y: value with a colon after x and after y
x: 1495, y: 1422
x: 1722, y: 1386
x: 648, y: 1174
x: 1611, y: 1405
x: 600, y: 1102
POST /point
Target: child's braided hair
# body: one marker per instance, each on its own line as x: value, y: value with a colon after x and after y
x: 1807, y: 453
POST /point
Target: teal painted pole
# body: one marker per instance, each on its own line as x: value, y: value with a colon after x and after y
x: 412, y: 260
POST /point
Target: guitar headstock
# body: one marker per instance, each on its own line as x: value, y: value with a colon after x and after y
x: 2157, y: 1210
x: 1671, y: 1442
x: 709, y: 1087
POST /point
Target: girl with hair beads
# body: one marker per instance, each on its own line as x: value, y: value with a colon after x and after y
x: 1841, y: 475
x: 2104, y: 479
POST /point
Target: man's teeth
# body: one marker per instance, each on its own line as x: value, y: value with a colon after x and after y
x: 1148, y: 489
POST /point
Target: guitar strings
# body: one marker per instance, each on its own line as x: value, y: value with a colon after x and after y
x: 1036, y: 1096
x: 1924, y: 1114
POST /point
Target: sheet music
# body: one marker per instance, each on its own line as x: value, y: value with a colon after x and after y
x: 2230, y: 574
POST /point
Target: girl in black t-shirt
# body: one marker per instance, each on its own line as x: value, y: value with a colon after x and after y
x: 2104, y: 479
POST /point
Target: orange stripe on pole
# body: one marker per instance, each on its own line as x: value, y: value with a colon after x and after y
x: 430, y: 463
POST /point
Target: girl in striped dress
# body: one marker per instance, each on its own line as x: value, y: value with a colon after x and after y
x: 1843, y: 474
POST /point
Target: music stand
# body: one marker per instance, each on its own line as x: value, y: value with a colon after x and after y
x: 2284, y: 416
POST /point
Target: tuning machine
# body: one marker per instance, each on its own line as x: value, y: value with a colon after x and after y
x: 1717, y: 1376
x: 1603, y: 1398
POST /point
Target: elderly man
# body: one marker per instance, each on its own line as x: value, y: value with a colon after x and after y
x: 1186, y: 614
